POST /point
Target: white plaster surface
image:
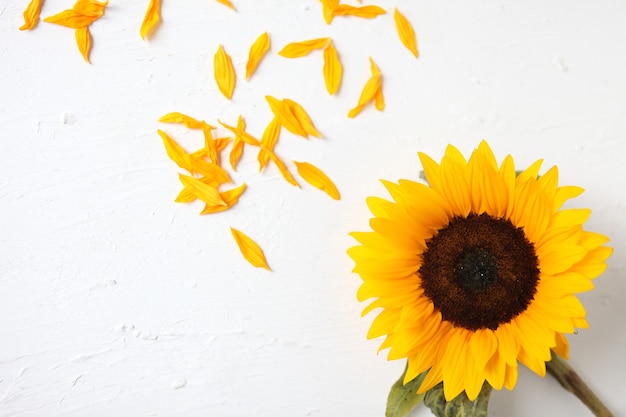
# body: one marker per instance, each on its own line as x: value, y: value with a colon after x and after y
x: 116, y: 301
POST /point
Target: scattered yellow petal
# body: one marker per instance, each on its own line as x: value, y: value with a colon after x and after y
x: 332, y: 69
x: 245, y: 136
x: 257, y: 51
x: 226, y: 3
x: 209, y: 143
x: 250, y: 249
x: 268, y: 142
x: 300, y: 49
x: 368, y: 12
x: 71, y: 18
x: 82, y: 14
x: 90, y: 7
x: 371, y: 91
x: 302, y: 117
x: 176, y: 152
x: 176, y: 117
x: 230, y: 197
x: 237, y: 149
x: 213, y: 172
x: 203, y: 191
x: 379, y: 100
x: 328, y: 6
x: 188, y: 194
x: 285, y: 116
x: 83, y: 40
x: 317, y: 178
x: 31, y: 14
x: 152, y: 19
x: 224, y: 72
x: 405, y: 31
x: 220, y: 144
x: 282, y: 168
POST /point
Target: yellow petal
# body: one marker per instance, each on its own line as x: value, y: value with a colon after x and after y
x: 231, y: 197
x: 328, y: 6
x: 188, y: 194
x: 237, y: 149
x: 372, y: 91
x: 371, y: 88
x: 31, y: 14
x: 83, y: 40
x: 317, y: 178
x: 176, y: 117
x: 332, y: 69
x: 282, y: 168
x: 250, y: 249
x: 226, y: 3
x: 209, y: 143
x: 176, y: 152
x: 151, y: 19
x: 90, y: 7
x: 285, y: 116
x: 300, y: 49
x: 303, y: 118
x: 210, y: 170
x: 257, y: 51
x: 83, y: 13
x: 268, y: 141
x: 224, y: 72
x: 368, y: 12
x: 71, y: 18
x: 245, y: 136
x: 405, y: 31
x: 205, y: 192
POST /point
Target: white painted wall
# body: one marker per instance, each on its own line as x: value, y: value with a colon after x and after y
x: 116, y: 301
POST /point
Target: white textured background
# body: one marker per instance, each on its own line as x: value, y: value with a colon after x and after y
x: 116, y: 301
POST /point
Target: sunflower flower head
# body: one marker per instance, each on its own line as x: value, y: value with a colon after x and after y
x: 477, y: 271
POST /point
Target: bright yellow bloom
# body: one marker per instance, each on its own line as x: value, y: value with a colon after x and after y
x: 478, y: 271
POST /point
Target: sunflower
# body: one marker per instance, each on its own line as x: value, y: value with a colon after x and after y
x: 476, y: 272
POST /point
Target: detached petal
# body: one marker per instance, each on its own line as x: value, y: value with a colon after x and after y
x: 226, y: 3
x: 405, y: 32
x: 368, y: 12
x: 257, y: 51
x: 231, y: 197
x: 268, y: 141
x: 176, y: 152
x: 202, y: 190
x: 300, y: 49
x: 224, y: 72
x: 332, y: 69
x: 83, y: 40
x: 285, y: 116
x: 151, y: 20
x: 176, y: 117
x: 31, y: 14
x: 302, y: 117
x: 317, y: 178
x: 250, y: 249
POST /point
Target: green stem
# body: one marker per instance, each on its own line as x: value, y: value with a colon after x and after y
x: 571, y: 381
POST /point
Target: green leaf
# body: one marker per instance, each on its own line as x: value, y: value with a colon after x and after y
x: 460, y: 406
x: 404, y: 398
